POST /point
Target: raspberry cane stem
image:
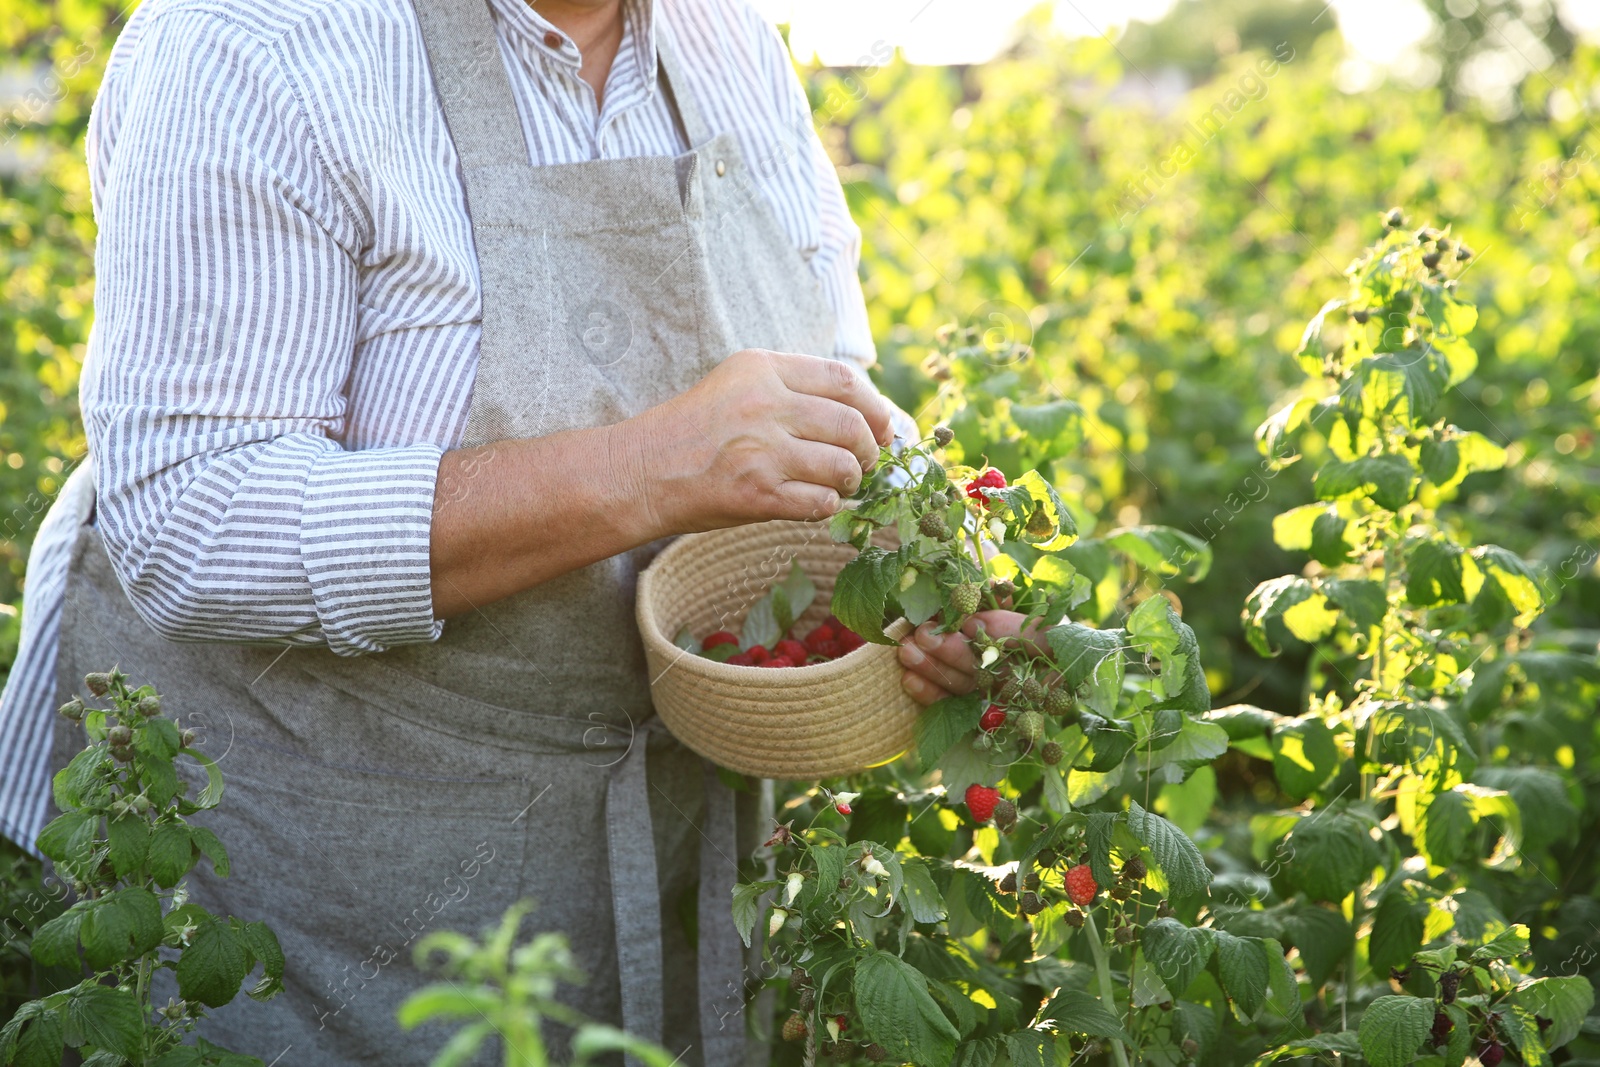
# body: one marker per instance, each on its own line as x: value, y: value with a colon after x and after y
x: 1103, y: 970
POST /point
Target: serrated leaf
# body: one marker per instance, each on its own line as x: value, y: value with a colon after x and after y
x: 106, y: 1017
x: 1281, y: 983
x: 1363, y: 602
x: 747, y: 907
x: 1031, y: 1048
x: 263, y: 945
x: 1075, y: 1011
x: 944, y: 724
x: 211, y: 795
x: 1177, y: 952
x: 79, y: 783
x: 921, y: 896
x: 1434, y: 574
x: 1331, y: 855
x: 1163, y: 551
x: 1180, y: 861
x: 898, y: 1012
x: 39, y: 1040
x: 129, y: 838
x: 1393, y: 1028
x: 1388, y: 480
x: 70, y: 837
x: 861, y: 593
x: 878, y: 815
x: 1323, y: 938
x: 1397, y: 924
x: 158, y: 739
x: 214, y: 965
x: 1090, y: 661
x: 1245, y: 971
x: 55, y: 943
x: 1565, y: 1001
x: 211, y: 848
x: 1304, y: 755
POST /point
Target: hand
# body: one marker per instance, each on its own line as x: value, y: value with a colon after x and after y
x: 940, y: 665
x: 766, y: 435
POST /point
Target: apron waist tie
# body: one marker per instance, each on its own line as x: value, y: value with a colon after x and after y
x: 636, y: 909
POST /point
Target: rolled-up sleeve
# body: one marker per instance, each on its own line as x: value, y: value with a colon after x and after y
x: 214, y: 393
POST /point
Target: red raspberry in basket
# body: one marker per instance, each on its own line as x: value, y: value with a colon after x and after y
x: 993, y: 717
x: 822, y: 633
x: 721, y: 637
x: 827, y: 649
x: 758, y: 654
x: 1081, y: 886
x: 778, y: 661
x: 989, y: 479
x: 981, y: 800
x: 793, y: 651
x: 740, y: 659
x: 849, y: 640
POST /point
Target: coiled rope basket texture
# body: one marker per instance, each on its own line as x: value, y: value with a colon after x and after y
x: 797, y: 723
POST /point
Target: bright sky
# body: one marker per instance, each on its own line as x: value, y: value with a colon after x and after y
x: 842, y: 32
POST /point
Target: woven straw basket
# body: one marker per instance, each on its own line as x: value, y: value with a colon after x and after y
x: 802, y: 723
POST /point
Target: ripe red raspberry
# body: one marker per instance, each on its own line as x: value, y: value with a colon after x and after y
x: 981, y: 800
x: 740, y: 659
x: 993, y: 717
x: 823, y: 632
x: 793, y: 650
x: 721, y: 637
x: 1081, y: 886
x: 758, y: 654
x: 778, y: 661
x: 1442, y: 1025
x: 849, y: 640
x: 989, y: 479
x: 827, y: 649
x: 1491, y: 1053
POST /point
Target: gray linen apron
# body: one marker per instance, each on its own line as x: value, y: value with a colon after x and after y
x: 371, y: 800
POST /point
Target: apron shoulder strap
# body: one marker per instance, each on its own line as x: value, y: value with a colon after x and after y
x: 470, y: 79
x: 682, y: 96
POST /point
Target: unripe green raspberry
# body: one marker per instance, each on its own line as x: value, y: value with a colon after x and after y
x: 150, y: 706
x: 1010, y: 691
x: 1032, y: 690
x: 119, y: 735
x: 1058, y: 700
x: 1051, y: 753
x: 1039, y: 524
x: 933, y: 525
x: 73, y: 709
x: 964, y: 598
x: 1030, y: 726
x: 98, y: 683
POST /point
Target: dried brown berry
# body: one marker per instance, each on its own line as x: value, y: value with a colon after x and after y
x: 1164, y: 910
x: 1394, y: 219
x: 1005, y: 816
x: 1030, y: 903
x: 1123, y: 935
x: 1008, y: 884
x: 1073, y: 917
x: 807, y: 998
x: 1449, y: 983
x: 875, y: 1053
x: 1120, y: 891
x: 1047, y: 856
x: 943, y: 435
x: 1031, y: 881
x: 1134, y: 870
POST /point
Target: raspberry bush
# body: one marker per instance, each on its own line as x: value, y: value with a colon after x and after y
x: 1027, y: 885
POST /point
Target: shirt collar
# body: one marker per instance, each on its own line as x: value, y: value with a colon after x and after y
x: 538, y: 34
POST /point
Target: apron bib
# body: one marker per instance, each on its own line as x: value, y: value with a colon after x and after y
x: 374, y: 799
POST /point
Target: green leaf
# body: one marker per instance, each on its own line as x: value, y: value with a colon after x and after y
x: 1075, y: 1011
x: 1056, y: 427
x: 80, y: 782
x: 211, y: 848
x: 1446, y: 824
x: 1172, y: 850
x: 1177, y: 952
x: 1393, y: 1028
x: 922, y: 601
x: 861, y: 593
x: 1031, y: 1048
x: 263, y: 945
x: 1195, y: 745
x: 878, y: 815
x: 894, y: 1004
x: 1388, y: 480
x: 211, y: 795
x: 1285, y: 989
x: 1565, y: 1001
x: 120, y: 926
x: 1264, y: 626
x: 1090, y: 661
x: 214, y: 965
x: 1510, y: 588
x: 1406, y: 384
x: 1397, y: 923
x: 1434, y: 574
x: 798, y: 589
x: 106, y: 1018
x: 1097, y: 834
x: 442, y: 1001
x: 55, y: 943
x: 1163, y: 551
x: 1304, y: 755
x: 942, y: 725
x: 1323, y: 937
x: 130, y: 843
x: 40, y: 1040
x: 1363, y: 602
x: 1331, y: 855
x: 69, y: 838
x: 921, y: 896
x: 158, y: 739
x: 747, y: 906
x: 1245, y: 971
x: 171, y: 853
x: 761, y: 623
x: 1446, y: 462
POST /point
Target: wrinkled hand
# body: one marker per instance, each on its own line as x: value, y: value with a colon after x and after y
x: 940, y: 665
x: 766, y: 435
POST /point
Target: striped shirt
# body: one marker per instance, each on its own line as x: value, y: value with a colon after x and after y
x: 288, y: 308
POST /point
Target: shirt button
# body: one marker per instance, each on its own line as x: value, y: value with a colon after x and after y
x: 722, y: 168
x: 552, y: 39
